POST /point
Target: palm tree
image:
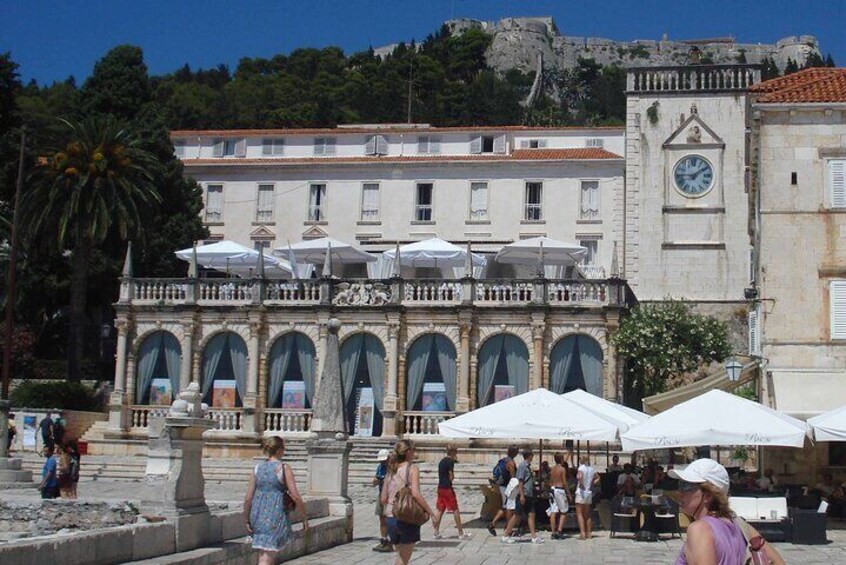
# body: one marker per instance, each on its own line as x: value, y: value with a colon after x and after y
x: 93, y: 182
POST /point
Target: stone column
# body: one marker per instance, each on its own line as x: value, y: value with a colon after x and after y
x: 10, y: 467
x: 249, y: 423
x: 391, y: 403
x: 187, y: 355
x: 462, y: 403
x: 538, y: 330
x: 322, y: 334
x: 118, y: 400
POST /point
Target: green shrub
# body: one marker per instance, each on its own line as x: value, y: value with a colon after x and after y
x: 56, y: 394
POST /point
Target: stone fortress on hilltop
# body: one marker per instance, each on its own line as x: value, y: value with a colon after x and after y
x: 517, y: 42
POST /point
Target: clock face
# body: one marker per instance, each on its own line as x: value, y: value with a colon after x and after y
x: 693, y: 176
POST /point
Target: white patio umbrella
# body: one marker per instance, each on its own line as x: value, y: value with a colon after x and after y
x: 314, y: 251
x: 537, y: 414
x: 529, y: 251
x: 716, y: 418
x: 434, y: 252
x: 234, y: 258
x: 830, y: 426
x: 622, y: 416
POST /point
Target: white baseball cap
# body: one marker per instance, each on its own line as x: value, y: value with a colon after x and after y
x: 383, y: 454
x: 704, y: 471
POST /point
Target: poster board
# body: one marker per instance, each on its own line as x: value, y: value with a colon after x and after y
x: 160, y: 392
x: 293, y: 395
x: 223, y: 394
x: 29, y: 432
x: 503, y: 392
x: 434, y: 397
x: 364, y: 413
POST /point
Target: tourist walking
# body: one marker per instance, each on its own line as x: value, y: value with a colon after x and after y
x: 715, y: 536
x: 46, y: 427
x: 379, y: 481
x: 265, y: 510
x: 561, y: 498
x: 586, y: 477
x: 63, y: 471
x: 525, y: 499
x: 401, y: 473
x: 49, y: 486
x: 76, y: 459
x: 502, y: 474
x: 58, y: 432
x: 12, y: 432
x: 447, y: 501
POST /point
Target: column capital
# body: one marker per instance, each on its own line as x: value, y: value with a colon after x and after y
x: 122, y: 326
x: 538, y: 329
x: 393, y: 330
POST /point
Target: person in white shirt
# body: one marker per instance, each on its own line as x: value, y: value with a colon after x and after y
x: 627, y: 472
x: 586, y: 477
x: 768, y: 482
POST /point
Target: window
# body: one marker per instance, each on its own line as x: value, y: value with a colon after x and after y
x: 837, y: 182
x: 324, y: 145
x: 423, y: 204
x: 532, y: 144
x: 837, y: 296
x: 214, y: 203
x: 592, y: 246
x: 259, y: 244
x: 488, y: 144
x: 179, y: 149
x: 589, y: 200
x: 370, y: 202
x: 376, y: 145
x: 478, y: 201
x: 230, y: 148
x: 273, y: 146
x: 264, y: 203
x: 428, y: 145
x: 317, y: 203
x: 594, y: 142
x: 534, y: 195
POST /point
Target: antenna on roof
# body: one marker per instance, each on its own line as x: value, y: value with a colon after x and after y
x: 410, y: 79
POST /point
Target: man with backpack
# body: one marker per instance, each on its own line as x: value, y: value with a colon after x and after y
x: 503, y: 472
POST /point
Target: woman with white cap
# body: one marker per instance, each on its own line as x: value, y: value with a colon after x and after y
x: 715, y: 536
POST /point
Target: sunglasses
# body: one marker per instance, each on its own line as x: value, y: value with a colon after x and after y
x: 685, y: 486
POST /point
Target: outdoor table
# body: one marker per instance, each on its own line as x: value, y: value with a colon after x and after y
x: 649, y: 530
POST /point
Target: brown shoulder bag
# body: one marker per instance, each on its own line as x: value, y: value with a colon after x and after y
x: 406, y: 508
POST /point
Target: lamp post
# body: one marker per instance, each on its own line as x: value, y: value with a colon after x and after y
x: 733, y: 369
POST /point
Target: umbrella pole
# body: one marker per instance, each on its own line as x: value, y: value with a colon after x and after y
x: 588, y: 450
x: 540, y: 455
x: 607, y: 460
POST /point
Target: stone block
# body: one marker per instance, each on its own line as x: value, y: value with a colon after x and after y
x: 151, y: 540
x: 113, y: 545
x: 192, y: 531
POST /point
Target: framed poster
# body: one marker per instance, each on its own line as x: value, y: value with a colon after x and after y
x: 293, y: 395
x: 160, y: 392
x: 223, y: 394
x: 503, y: 392
x: 434, y: 397
x: 364, y: 413
x: 29, y: 432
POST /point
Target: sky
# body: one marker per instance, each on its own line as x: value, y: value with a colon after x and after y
x: 52, y: 40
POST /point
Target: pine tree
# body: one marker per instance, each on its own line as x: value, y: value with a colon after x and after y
x: 791, y: 67
x: 829, y: 61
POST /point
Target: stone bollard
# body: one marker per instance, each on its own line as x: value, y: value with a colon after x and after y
x: 11, y: 473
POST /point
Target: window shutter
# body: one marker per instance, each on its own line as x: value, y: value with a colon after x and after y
x: 837, y: 182
x: 754, y: 319
x: 838, y: 309
x: 541, y: 143
x: 476, y: 144
x: 330, y: 146
x: 241, y: 147
x: 267, y: 147
x: 278, y: 146
x: 434, y: 145
x: 319, y: 146
x: 381, y: 145
x: 370, y: 146
x: 499, y: 144
x: 217, y: 149
x: 524, y: 144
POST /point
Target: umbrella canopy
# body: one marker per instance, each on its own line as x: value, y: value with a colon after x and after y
x: 716, y: 418
x: 434, y: 252
x: 622, y: 416
x: 537, y: 414
x: 529, y: 251
x: 830, y: 426
x: 234, y: 258
x: 314, y: 251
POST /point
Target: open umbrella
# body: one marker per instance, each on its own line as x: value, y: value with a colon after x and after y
x: 433, y: 252
x: 314, y: 251
x: 533, y: 250
x: 234, y: 258
x: 830, y: 426
x: 622, y: 416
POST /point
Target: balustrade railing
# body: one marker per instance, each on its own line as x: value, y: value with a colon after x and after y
x: 488, y: 291
x: 226, y: 290
x: 429, y: 291
x: 140, y: 416
x: 287, y: 420
x: 159, y: 291
x: 424, y: 423
x: 693, y: 78
x: 568, y: 292
x: 226, y: 419
x: 292, y: 292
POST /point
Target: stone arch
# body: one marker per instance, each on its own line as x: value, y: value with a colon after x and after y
x: 231, y: 361
x: 144, y: 330
x: 577, y: 360
x: 279, y: 365
x: 158, y: 355
x: 360, y: 356
x: 502, y: 358
x: 418, y: 361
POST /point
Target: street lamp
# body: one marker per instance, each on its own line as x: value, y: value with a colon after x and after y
x: 733, y: 369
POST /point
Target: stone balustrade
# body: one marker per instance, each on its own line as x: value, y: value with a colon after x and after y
x: 286, y: 420
x: 140, y: 416
x: 424, y: 423
x: 693, y: 78
x: 226, y: 419
x: 159, y: 291
x: 428, y: 291
x: 504, y: 291
x: 564, y: 292
x: 226, y: 291
x: 303, y: 292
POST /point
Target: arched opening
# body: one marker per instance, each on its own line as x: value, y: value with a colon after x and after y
x: 430, y: 378
x: 292, y: 361
x: 363, y: 377
x: 224, y: 376
x: 576, y: 363
x: 157, y: 371
x: 503, y: 369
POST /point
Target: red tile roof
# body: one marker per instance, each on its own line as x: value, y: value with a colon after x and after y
x: 379, y: 128
x: 810, y: 86
x: 577, y: 154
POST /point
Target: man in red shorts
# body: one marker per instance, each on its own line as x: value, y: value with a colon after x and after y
x: 446, y: 495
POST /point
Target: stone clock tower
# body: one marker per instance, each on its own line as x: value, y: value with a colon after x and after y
x: 686, y: 197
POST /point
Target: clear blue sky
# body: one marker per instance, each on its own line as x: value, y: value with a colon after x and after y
x: 52, y: 40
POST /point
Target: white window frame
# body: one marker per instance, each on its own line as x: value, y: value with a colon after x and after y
x: 484, y: 216
x: 835, y: 182
x: 376, y: 144
x: 264, y: 243
x: 213, y: 216
x: 421, y: 209
x: 532, y: 212
x: 273, y: 146
x: 837, y: 308
x: 428, y: 145
x: 595, y: 142
x: 591, y: 259
x: 234, y: 147
x: 324, y: 146
x: 264, y: 214
x: 589, y: 213
x: 317, y: 210
x: 532, y: 144
x: 371, y: 214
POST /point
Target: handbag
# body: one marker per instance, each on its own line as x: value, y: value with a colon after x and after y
x: 287, y: 500
x: 406, y: 508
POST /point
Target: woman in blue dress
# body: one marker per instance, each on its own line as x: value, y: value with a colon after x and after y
x: 264, y: 506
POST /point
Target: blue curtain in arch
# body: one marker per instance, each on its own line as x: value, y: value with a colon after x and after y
x: 148, y: 356
x: 562, y: 360
x: 517, y: 363
x: 488, y: 361
x: 374, y: 356
x: 305, y: 357
x: 172, y: 356
x: 280, y: 358
x: 238, y: 355
x: 590, y: 357
x: 418, y: 354
x: 446, y: 363
x: 211, y: 359
x: 350, y: 355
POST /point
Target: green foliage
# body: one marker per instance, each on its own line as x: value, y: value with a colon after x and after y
x: 638, y: 52
x: 664, y: 341
x: 791, y: 67
x: 769, y: 69
x: 652, y: 113
x: 56, y: 394
x: 740, y: 59
x: 747, y: 391
x: 814, y: 60
x: 829, y: 61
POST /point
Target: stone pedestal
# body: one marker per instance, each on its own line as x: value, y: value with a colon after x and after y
x: 118, y: 412
x: 11, y: 473
x: 328, y: 474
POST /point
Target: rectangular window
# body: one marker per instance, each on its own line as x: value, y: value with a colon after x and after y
x: 179, y: 149
x: 423, y: 202
x: 589, y: 200
x: 487, y: 144
x: 260, y: 244
x: 837, y: 182
x: 532, y: 144
x: 837, y: 299
x: 273, y: 146
x: 214, y: 203
x: 324, y: 145
x: 376, y: 145
x: 235, y: 147
x: 264, y: 204
x: 478, y: 201
x: 428, y: 145
x: 592, y: 246
x: 317, y: 203
x: 534, y: 201
x: 593, y: 142
x: 370, y: 202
